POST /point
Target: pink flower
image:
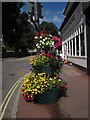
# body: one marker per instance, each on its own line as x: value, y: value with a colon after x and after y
x: 56, y: 38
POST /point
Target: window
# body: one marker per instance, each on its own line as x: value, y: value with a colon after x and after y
x: 70, y: 47
x: 77, y: 44
x: 82, y: 44
x: 65, y: 48
x: 74, y: 46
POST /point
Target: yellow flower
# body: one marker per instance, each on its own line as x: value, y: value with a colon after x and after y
x: 38, y: 86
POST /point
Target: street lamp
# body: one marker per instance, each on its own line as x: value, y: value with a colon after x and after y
x: 35, y: 13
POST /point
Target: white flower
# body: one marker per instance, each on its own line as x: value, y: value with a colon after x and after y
x: 53, y: 43
x: 47, y: 43
x: 37, y: 44
x: 59, y: 79
x: 50, y: 79
x: 50, y: 35
x: 43, y: 43
x: 46, y: 38
x: 40, y: 36
x: 43, y: 40
x: 40, y: 41
x: 36, y: 37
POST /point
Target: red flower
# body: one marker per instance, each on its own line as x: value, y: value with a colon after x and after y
x: 43, y: 53
x: 50, y: 55
x: 40, y: 33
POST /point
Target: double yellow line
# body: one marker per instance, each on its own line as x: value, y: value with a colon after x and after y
x: 8, y: 97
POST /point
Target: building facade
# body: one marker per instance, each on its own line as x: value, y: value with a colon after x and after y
x: 74, y: 34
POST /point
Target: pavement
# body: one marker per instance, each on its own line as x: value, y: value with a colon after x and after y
x: 75, y: 105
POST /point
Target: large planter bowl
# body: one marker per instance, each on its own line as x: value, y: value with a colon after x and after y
x: 48, y: 97
x: 48, y: 69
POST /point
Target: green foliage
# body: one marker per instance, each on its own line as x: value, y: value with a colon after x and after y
x: 49, y: 28
x: 17, y: 32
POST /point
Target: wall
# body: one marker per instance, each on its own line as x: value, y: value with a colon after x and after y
x: 79, y: 61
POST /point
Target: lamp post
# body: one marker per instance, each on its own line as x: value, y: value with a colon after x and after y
x: 35, y: 13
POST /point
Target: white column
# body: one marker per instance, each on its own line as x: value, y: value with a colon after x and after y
x: 85, y: 37
x: 79, y: 43
x: 67, y: 47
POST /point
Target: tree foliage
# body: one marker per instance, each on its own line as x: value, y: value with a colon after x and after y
x: 26, y: 32
x: 10, y: 14
x: 49, y: 28
x: 18, y: 33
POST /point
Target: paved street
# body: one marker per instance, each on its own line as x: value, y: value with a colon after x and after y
x: 12, y: 70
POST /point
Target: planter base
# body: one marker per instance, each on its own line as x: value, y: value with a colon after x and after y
x: 49, y: 97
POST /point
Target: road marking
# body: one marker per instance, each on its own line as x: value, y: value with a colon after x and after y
x: 8, y: 101
x: 11, y: 91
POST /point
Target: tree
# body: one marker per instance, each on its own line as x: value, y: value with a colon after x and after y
x: 26, y: 33
x: 49, y: 28
x: 18, y: 32
x: 10, y: 14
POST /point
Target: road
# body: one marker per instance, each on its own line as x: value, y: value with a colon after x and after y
x: 12, y: 70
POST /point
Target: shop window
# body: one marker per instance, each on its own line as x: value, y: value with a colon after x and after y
x: 78, y: 31
x: 70, y: 47
x: 74, y: 46
x: 66, y: 48
x: 77, y: 44
x: 82, y: 44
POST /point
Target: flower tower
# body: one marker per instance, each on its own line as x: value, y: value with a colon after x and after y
x: 43, y: 84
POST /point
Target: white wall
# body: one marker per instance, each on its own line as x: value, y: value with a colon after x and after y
x: 79, y: 61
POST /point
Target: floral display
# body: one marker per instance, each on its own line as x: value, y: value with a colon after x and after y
x: 37, y: 84
x: 38, y: 64
x: 47, y: 41
x: 44, y: 80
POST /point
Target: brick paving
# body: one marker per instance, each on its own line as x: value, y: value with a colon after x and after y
x: 73, y: 106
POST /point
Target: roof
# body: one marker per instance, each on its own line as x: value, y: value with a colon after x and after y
x: 70, y: 7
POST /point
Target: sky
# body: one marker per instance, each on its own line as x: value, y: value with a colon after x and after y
x: 52, y: 12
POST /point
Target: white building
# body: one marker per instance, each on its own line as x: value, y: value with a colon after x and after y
x: 74, y: 33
